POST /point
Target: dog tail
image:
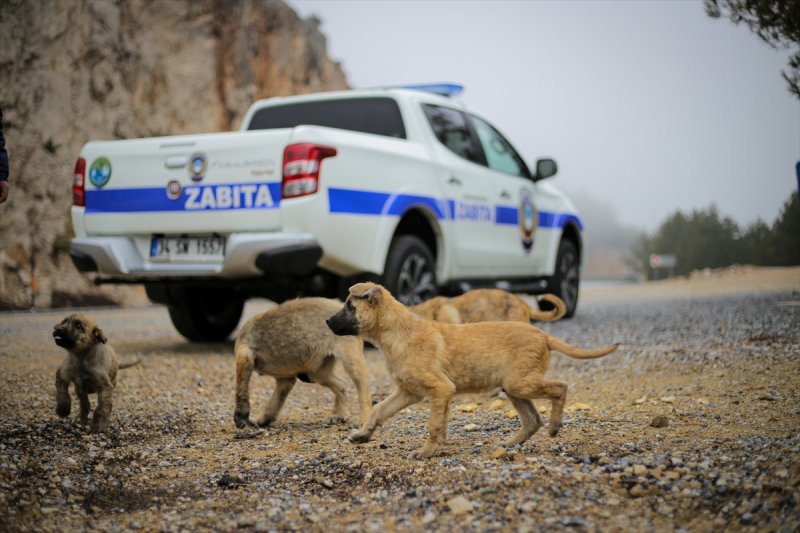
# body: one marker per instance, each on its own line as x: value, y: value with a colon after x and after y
x: 129, y: 363
x: 558, y: 311
x: 578, y: 353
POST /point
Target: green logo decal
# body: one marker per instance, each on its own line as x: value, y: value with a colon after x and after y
x: 100, y: 171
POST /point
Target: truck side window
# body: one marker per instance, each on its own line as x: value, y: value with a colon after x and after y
x: 378, y: 116
x: 500, y: 155
x: 452, y: 130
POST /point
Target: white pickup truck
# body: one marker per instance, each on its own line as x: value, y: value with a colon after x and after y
x: 404, y: 186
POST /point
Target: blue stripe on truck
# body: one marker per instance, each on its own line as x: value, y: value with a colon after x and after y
x: 506, y: 215
x: 510, y: 215
x: 357, y: 202
x: 193, y: 198
x: 268, y: 196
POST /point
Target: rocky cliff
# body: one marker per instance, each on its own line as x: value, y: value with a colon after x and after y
x: 119, y: 69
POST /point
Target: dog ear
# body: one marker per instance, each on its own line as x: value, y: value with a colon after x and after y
x: 373, y: 295
x: 98, y: 335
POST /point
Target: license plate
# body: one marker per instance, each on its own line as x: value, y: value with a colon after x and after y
x: 187, y: 248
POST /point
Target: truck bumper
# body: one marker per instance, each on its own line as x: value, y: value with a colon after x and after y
x: 246, y: 255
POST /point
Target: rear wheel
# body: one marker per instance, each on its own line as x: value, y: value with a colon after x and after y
x: 205, y: 314
x: 566, y: 279
x: 410, y: 273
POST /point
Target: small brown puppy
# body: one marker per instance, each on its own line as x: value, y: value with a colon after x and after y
x: 292, y: 342
x: 488, y: 305
x: 437, y: 360
x: 91, y: 365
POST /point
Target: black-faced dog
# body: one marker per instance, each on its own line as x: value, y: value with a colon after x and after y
x: 435, y: 360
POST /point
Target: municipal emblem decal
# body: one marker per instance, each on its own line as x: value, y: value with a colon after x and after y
x: 528, y: 220
x: 197, y: 166
x: 100, y: 172
x: 174, y: 190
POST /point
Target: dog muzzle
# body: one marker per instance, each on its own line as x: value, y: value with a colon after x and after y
x: 341, y: 326
x: 63, y: 340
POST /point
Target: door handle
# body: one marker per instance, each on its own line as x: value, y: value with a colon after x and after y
x: 452, y: 180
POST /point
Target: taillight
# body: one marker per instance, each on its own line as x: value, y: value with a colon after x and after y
x: 78, y: 190
x: 301, y: 164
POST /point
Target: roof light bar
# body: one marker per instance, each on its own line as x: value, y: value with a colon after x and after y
x: 442, y: 89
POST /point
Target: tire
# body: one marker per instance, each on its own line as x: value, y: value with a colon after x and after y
x: 205, y: 314
x: 410, y: 273
x: 565, y: 282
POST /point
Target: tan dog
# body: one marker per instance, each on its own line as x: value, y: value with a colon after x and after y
x: 291, y: 342
x: 437, y: 360
x: 488, y: 305
x: 91, y: 365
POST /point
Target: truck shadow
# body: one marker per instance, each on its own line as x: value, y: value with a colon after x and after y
x: 173, y: 347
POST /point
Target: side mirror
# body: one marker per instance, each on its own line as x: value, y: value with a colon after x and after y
x: 545, y: 168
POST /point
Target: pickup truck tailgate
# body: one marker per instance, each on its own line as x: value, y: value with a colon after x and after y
x: 190, y: 184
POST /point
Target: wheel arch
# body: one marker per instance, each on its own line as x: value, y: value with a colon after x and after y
x: 421, y: 223
x: 572, y: 232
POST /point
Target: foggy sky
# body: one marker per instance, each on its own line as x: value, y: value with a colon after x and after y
x: 647, y: 106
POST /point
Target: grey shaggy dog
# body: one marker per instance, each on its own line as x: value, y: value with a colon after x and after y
x: 292, y: 342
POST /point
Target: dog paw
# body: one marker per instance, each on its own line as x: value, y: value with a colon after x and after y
x: 336, y: 420
x: 62, y: 411
x: 423, y: 453
x: 265, y: 422
x: 359, y: 437
x: 520, y: 437
x: 242, y: 420
x: 554, y: 431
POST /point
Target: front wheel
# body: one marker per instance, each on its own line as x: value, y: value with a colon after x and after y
x: 206, y: 314
x: 566, y: 279
x: 410, y: 273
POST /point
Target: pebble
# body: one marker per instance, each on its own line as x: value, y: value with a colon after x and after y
x: 459, y: 505
x: 468, y: 407
x: 497, y: 404
x: 579, y: 406
x: 636, y: 491
x: 499, y: 453
x: 665, y: 509
x: 659, y: 422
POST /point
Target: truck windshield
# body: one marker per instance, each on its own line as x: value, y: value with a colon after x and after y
x: 379, y: 116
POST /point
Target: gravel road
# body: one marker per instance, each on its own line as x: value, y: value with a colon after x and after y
x: 692, y: 424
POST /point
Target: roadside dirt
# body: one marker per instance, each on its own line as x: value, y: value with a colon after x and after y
x: 692, y: 425
x: 739, y: 279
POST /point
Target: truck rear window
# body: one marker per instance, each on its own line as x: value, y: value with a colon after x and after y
x: 379, y: 116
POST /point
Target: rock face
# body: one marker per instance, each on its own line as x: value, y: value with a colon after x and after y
x: 104, y: 69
